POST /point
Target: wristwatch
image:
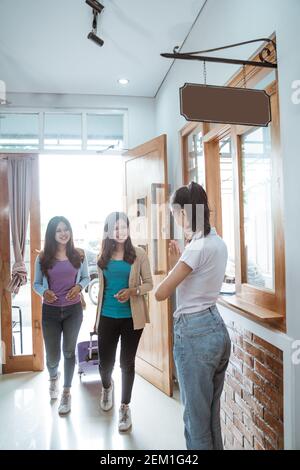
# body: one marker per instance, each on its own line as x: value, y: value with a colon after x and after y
x: 138, y: 291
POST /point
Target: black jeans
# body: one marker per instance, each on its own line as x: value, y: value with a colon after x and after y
x: 65, y: 321
x: 109, y: 332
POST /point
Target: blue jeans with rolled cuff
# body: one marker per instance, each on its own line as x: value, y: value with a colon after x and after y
x: 201, y: 353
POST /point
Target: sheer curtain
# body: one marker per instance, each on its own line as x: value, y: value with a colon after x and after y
x: 19, y: 185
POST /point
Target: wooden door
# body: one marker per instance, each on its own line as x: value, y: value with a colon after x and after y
x: 21, y: 332
x: 146, y: 188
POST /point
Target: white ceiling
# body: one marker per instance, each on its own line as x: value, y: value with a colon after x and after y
x: 44, y: 46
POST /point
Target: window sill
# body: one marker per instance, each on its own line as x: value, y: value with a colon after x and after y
x: 254, y: 312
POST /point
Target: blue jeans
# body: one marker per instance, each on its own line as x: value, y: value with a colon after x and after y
x: 201, y: 353
x: 65, y: 321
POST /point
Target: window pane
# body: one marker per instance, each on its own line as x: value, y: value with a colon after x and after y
x: 104, y: 130
x: 226, y: 169
x: 62, y: 131
x: 196, y: 164
x: 258, y: 229
x: 19, y: 131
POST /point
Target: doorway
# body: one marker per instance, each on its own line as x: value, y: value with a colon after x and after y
x: 84, y: 189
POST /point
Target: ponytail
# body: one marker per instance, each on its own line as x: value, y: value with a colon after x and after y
x: 193, y: 195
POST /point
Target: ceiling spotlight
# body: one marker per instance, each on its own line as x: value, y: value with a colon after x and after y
x: 97, y: 8
x: 93, y: 37
x: 95, y: 5
x: 123, y: 81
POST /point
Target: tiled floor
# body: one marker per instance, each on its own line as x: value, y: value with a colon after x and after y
x: 29, y: 421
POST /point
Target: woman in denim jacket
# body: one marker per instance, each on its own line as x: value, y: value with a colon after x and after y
x: 61, y: 272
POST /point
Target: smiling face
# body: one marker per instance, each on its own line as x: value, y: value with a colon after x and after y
x: 62, y: 234
x: 121, y: 232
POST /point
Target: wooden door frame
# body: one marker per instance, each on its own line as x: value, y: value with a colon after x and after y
x: 34, y: 361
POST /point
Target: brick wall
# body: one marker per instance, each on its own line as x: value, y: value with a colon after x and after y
x: 252, y: 400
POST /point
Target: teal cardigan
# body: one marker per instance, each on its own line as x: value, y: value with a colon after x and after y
x: 40, y: 284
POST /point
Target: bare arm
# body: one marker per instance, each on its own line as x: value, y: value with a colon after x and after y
x: 166, y: 288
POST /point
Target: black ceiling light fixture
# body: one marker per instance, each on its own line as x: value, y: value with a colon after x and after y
x: 97, y: 9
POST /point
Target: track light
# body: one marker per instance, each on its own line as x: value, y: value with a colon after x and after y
x: 95, y: 5
x: 97, y: 8
x: 93, y: 37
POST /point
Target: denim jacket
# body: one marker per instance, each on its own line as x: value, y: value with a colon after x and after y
x: 40, y: 284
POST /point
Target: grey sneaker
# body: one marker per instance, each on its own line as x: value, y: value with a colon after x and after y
x: 125, y: 422
x: 65, y: 404
x: 106, y: 401
x: 54, y: 387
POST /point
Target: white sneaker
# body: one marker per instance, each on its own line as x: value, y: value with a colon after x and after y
x: 54, y: 387
x: 106, y: 401
x: 65, y: 404
x: 125, y: 422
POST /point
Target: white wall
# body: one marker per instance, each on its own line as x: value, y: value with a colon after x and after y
x: 223, y: 22
x: 141, y: 122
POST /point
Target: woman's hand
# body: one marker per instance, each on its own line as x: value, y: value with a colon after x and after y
x: 72, y: 294
x: 124, y: 294
x: 174, y: 253
x: 49, y: 296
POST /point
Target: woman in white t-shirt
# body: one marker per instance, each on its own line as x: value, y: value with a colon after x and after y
x: 201, y: 340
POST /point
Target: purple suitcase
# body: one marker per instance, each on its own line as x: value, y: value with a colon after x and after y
x: 87, y: 356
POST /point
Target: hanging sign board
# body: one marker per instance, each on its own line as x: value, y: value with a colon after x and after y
x: 225, y: 105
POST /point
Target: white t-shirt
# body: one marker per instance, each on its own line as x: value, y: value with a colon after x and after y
x: 200, y: 289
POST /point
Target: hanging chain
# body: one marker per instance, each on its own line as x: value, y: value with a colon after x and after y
x: 204, y: 72
x: 244, y: 77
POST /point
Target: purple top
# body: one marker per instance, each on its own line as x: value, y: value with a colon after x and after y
x: 61, y: 278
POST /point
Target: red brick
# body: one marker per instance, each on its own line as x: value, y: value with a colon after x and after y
x: 253, y: 403
x: 269, y: 446
x: 238, y: 436
x: 268, y: 432
x: 230, y: 369
x: 274, y: 423
x: 247, y: 384
x: 243, y: 429
x: 236, y: 363
x: 257, y: 433
x: 253, y: 376
x: 255, y: 352
x: 271, y: 405
x: 227, y: 410
x: 267, y: 375
x: 235, y: 408
x: 247, y: 445
x: 257, y: 445
x: 244, y: 406
x: 237, y: 445
x: 237, y: 339
x: 275, y: 365
x: 231, y: 382
x: 229, y: 391
x: 228, y: 436
x: 268, y: 347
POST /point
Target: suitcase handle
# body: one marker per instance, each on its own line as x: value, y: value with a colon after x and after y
x: 91, y: 348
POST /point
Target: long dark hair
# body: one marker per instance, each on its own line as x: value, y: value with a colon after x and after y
x: 47, y: 257
x: 109, y: 243
x: 191, y: 195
